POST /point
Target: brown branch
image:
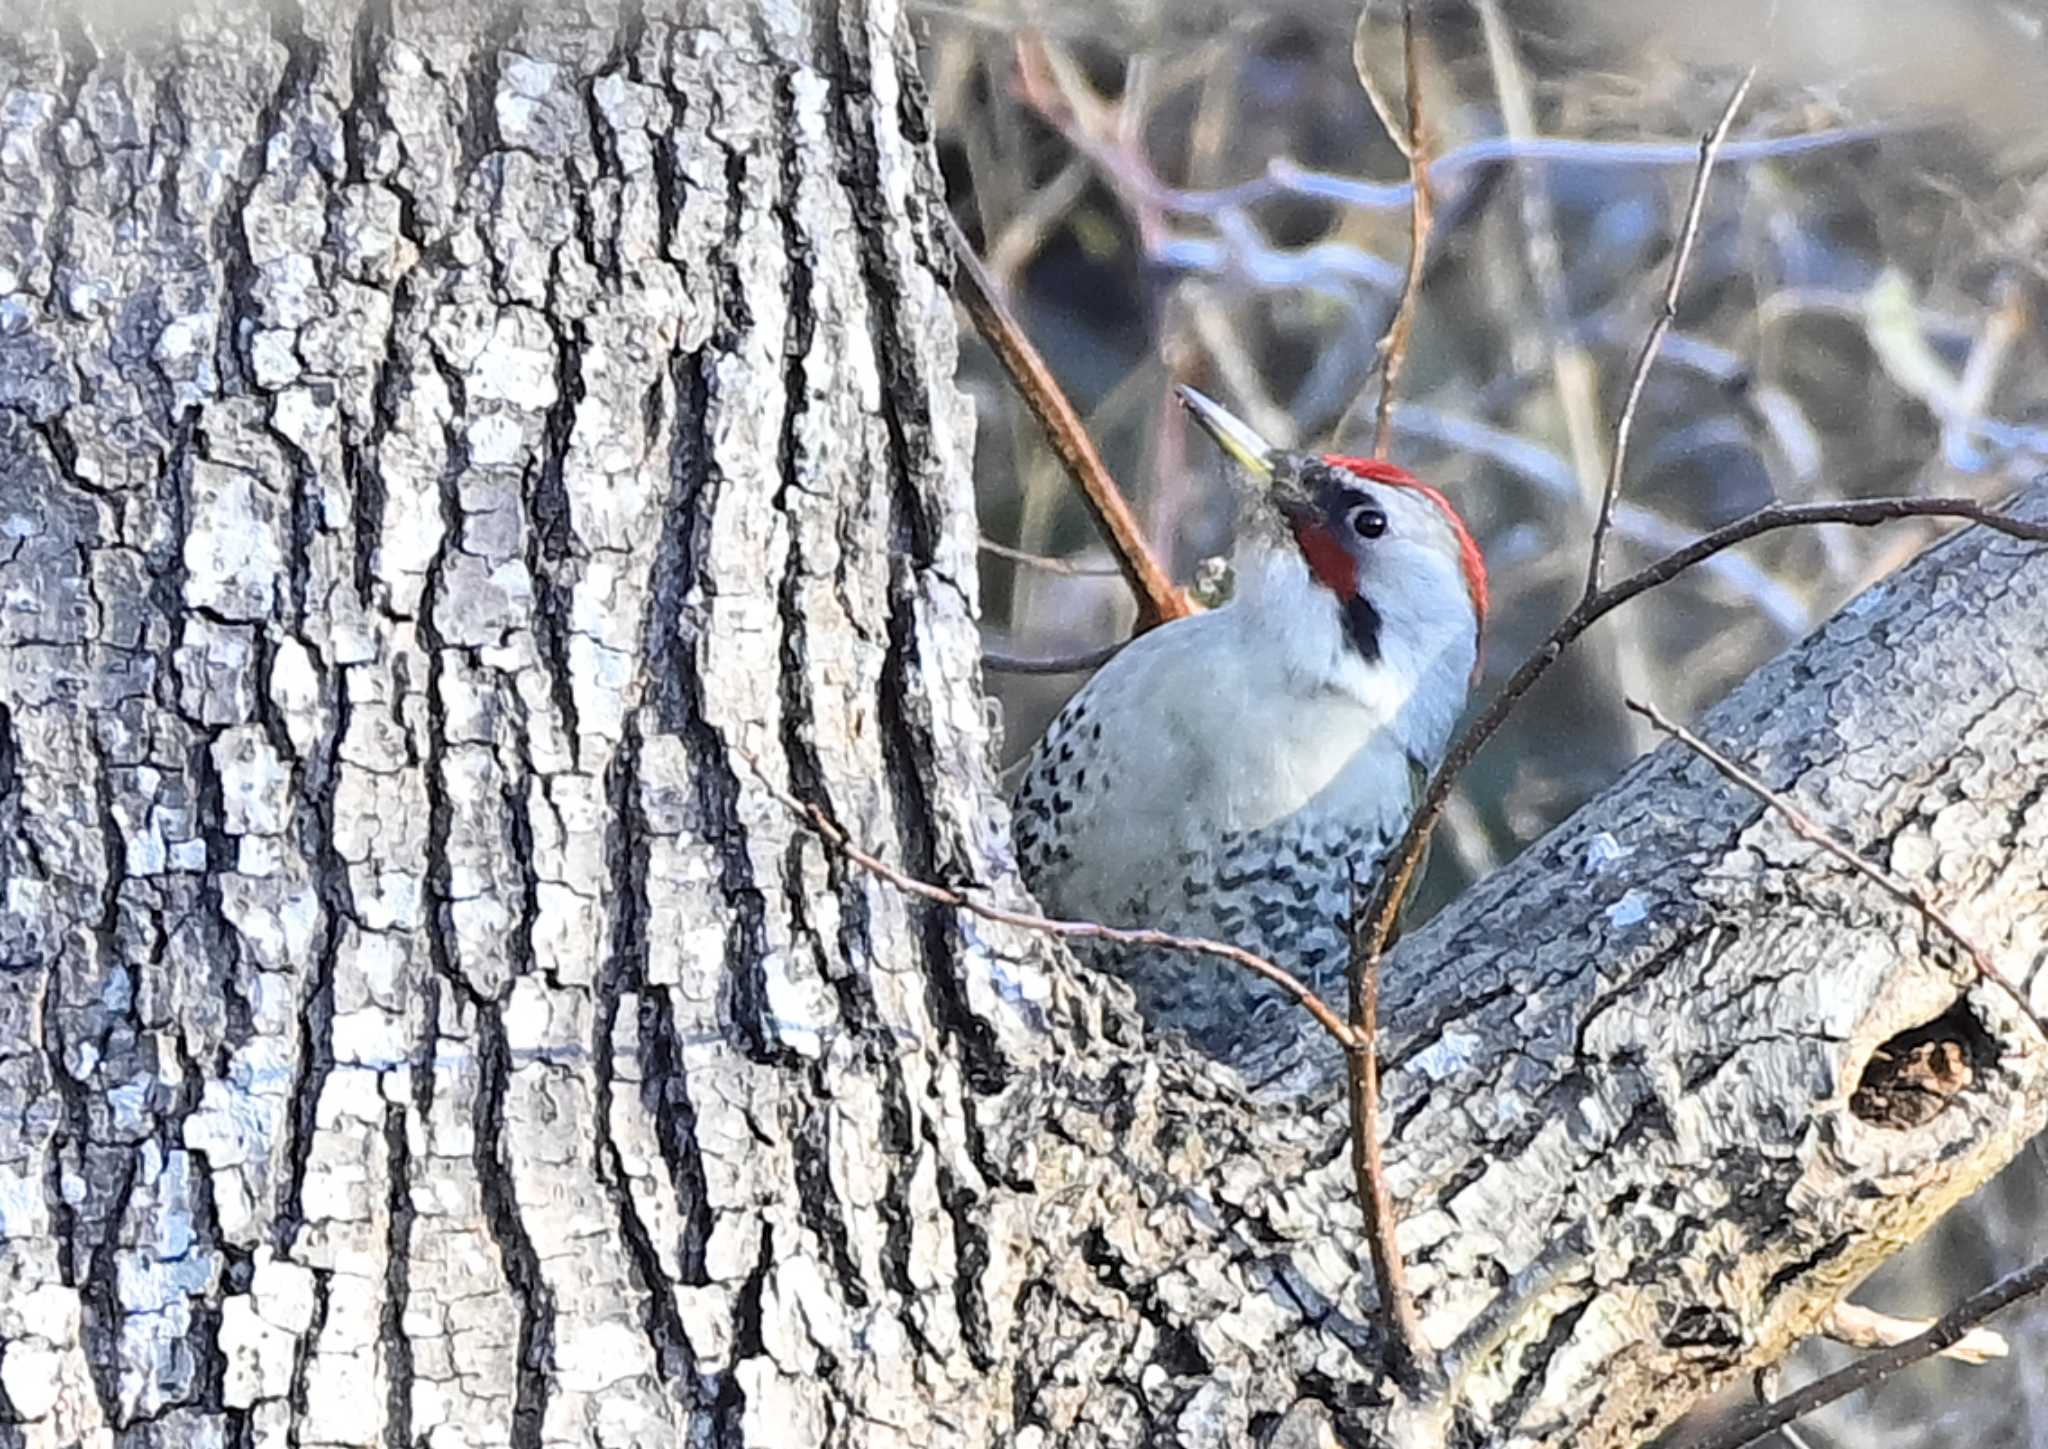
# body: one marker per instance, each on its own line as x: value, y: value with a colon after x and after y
x: 1806, y: 828
x: 1951, y: 1328
x: 1370, y: 935
x: 1159, y: 598
x: 1408, y: 1355
x: 1393, y: 347
x: 1688, y: 233
x: 823, y: 826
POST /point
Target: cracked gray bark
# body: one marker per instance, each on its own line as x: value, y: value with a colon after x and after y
x: 438, y: 450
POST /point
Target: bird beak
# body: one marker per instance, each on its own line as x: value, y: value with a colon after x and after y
x: 1232, y: 434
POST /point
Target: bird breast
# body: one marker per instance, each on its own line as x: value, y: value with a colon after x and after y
x: 1180, y: 750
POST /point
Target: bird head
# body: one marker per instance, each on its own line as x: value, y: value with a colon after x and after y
x: 1368, y: 571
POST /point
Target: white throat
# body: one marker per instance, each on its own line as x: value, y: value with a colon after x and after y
x: 1414, y: 690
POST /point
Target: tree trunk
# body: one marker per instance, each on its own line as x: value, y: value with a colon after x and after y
x: 445, y: 455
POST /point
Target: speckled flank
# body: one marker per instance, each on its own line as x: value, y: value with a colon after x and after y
x: 1283, y: 891
x: 1105, y: 834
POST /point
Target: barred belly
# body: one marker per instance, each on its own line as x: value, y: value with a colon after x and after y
x: 1284, y: 892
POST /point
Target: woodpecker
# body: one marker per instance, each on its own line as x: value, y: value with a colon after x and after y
x: 1241, y: 773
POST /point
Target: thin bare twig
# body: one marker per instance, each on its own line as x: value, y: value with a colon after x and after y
x: 1159, y: 598
x: 827, y: 830
x: 1393, y: 348
x: 1407, y: 1352
x: 1752, y: 1424
x: 1048, y: 564
x: 1688, y: 233
x: 1370, y: 935
x: 1807, y: 828
x: 997, y: 663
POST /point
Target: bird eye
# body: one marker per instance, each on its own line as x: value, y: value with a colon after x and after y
x: 1368, y: 521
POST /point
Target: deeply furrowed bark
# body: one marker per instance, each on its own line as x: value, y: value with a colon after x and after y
x: 436, y: 447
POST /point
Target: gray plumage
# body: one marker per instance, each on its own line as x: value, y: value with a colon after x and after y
x: 1240, y: 774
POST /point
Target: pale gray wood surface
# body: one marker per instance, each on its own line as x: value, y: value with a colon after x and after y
x: 435, y: 453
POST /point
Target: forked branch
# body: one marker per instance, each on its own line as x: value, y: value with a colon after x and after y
x: 1371, y: 931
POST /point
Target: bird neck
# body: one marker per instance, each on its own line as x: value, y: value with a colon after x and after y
x: 1411, y: 686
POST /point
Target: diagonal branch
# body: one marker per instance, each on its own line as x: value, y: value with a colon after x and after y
x: 829, y: 831
x: 1159, y: 598
x: 1688, y: 233
x: 1951, y: 1328
x: 1806, y: 828
x: 1373, y: 933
